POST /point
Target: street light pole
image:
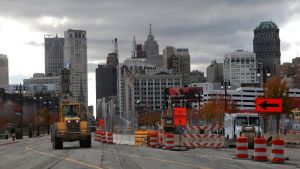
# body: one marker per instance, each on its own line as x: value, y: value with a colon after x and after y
x: 19, y: 88
x: 224, y: 84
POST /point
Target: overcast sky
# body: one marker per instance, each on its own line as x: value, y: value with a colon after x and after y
x: 209, y: 28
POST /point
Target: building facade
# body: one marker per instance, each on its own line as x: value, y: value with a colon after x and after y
x: 54, y: 55
x: 167, y: 53
x: 214, y: 72
x: 266, y: 46
x: 112, y: 59
x: 106, y: 81
x: 4, y: 77
x: 180, y: 64
x: 240, y: 67
x: 197, y: 77
x: 75, y: 59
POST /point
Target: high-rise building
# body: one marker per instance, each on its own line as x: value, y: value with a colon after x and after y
x: 54, y: 55
x: 106, y: 81
x: 214, y: 72
x: 180, y: 64
x: 4, y: 70
x: 240, y: 67
x: 266, y: 46
x: 167, y: 53
x: 151, y: 49
x: 75, y: 59
x: 112, y: 58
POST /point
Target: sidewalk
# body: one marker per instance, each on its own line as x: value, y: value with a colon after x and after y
x: 9, y: 141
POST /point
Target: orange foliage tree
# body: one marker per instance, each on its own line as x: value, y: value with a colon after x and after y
x: 212, y: 111
x: 276, y: 88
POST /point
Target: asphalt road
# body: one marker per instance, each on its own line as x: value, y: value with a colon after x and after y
x: 37, y: 153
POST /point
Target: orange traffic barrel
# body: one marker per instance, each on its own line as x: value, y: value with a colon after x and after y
x: 277, y: 154
x: 260, y: 149
x: 242, y: 147
x: 103, y: 138
x: 169, y: 141
x: 109, y: 137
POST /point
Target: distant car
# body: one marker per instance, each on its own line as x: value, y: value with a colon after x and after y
x: 92, y: 128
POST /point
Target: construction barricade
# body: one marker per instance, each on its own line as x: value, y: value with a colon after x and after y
x: 154, y: 139
x: 140, y: 137
x: 203, y: 136
x: 98, y: 135
x: 277, y: 154
x: 242, y: 147
x: 109, y: 137
x: 170, y: 141
x: 260, y: 149
x: 103, y: 137
x: 161, y: 137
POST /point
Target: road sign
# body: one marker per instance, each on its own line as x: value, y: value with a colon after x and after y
x: 180, y: 116
x: 180, y: 129
x: 268, y: 105
x: 101, y: 122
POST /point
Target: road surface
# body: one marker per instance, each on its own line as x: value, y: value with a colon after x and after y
x: 37, y: 153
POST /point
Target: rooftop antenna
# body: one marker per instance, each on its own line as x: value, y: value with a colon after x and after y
x: 112, y: 45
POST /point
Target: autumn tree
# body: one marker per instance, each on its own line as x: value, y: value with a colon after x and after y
x: 277, y: 88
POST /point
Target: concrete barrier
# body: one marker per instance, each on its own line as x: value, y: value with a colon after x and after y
x: 123, y: 139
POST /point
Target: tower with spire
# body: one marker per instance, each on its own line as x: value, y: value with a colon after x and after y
x: 151, y: 49
x: 112, y: 58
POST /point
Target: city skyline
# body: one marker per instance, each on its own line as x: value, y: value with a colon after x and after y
x: 207, y: 34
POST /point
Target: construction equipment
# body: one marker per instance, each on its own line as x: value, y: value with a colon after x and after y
x: 71, y: 126
x: 249, y: 132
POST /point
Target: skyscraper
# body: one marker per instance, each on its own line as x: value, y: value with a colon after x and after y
x: 266, y: 45
x: 54, y: 55
x: 214, y: 72
x: 180, y: 64
x: 75, y: 59
x: 3, y: 70
x: 106, y: 81
x: 151, y: 49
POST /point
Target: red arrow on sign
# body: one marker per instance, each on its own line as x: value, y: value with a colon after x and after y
x: 268, y: 105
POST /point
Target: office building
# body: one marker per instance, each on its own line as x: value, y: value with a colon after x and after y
x: 266, y: 46
x: 75, y: 59
x: 197, y: 77
x: 151, y: 49
x: 179, y: 63
x: 240, y: 67
x: 54, y: 55
x: 4, y: 70
x: 214, y: 72
x: 106, y: 81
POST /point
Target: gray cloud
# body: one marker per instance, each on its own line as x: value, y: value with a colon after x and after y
x: 213, y: 27
x: 34, y: 43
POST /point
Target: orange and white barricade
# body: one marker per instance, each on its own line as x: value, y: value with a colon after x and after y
x: 109, y: 137
x: 277, y: 154
x: 154, y: 139
x: 242, y: 147
x: 260, y: 149
x: 98, y: 135
x: 210, y: 137
x: 170, y: 139
x: 103, y: 138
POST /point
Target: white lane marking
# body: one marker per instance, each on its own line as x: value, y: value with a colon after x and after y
x: 245, y: 161
x: 63, y: 158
